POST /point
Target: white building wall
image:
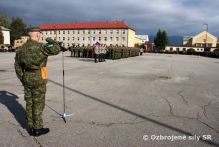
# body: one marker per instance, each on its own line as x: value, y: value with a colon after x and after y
x: 88, y: 37
x: 6, y: 35
x: 182, y: 48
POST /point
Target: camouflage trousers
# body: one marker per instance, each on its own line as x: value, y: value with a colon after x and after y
x: 35, y: 103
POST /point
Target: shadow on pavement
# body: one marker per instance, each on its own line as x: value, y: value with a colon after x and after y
x: 10, y: 101
x: 136, y: 114
x: 87, y: 60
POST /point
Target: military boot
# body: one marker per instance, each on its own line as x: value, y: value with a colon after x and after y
x: 30, y: 131
x: 42, y: 131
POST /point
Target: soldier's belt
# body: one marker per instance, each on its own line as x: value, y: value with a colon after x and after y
x: 31, y: 70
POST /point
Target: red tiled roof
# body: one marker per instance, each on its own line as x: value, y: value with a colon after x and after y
x: 85, y: 25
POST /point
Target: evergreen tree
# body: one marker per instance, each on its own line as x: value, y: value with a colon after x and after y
x: 165, y: 38
x: 161, y: 40
x: 157, y: 39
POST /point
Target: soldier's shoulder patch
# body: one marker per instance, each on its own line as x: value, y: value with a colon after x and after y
x: 50, y: 45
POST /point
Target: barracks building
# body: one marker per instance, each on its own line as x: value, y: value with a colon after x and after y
x: 116, y: 33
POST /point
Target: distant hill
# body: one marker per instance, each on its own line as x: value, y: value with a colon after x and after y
x: 173, y: 40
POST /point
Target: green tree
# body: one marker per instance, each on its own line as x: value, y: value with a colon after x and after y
x: 142, y: 46
x: 1, y: 36
x: 157, y: 39
x: 161, y: 40
x: 165, y: 38
x: 4, y: 21
x: 18, y: 29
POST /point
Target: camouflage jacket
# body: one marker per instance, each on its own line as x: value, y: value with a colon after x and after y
x: 32, y: 56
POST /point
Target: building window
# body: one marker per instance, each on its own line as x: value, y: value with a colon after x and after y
x: 78, y: 38
x: 68, y: 32
x: 117, y: 38
x: 68, y: 38
x: 105, y: 31
x: 105, y: 38
x: 73, y: 32
x: 89, y: 38
x: 111, y: 31
x: 88, y: 32
x: 123, y: 32
x: 59, y: 32
x: 63, y: 38
x: 123, y: 38
x: 63, y: 32
x: 99, y: 31
x: 111, y: 38
x: 83, y: 31
x: 94, y: 31
x: 199, y: 44
x: 117, y: 31
x: 83, y: 38
x: 78, y: 32
x: 73, y: 38
x: 93, y: 38
x: 99, y: 38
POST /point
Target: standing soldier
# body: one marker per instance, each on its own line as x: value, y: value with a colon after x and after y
x: 30, y: 67
x: 104, y: 52
x: 100, y: 53
x: 97, y: 52
x: 141, y: 51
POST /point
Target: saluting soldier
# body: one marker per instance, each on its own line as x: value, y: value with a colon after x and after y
x: 30, y: 67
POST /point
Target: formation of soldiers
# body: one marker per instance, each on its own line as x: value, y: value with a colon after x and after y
x: 101, y: 52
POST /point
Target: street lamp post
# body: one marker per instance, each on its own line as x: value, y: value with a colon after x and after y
x: 206, y: 34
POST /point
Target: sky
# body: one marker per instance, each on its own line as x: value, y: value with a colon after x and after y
x: 176, y: 17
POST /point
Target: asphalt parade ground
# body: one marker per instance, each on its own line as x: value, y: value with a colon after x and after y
x: 154, y: 100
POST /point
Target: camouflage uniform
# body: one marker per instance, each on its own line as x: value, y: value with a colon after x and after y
x: 29, y: 60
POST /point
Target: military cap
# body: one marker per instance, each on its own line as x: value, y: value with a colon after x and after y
x: 34, y: 29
